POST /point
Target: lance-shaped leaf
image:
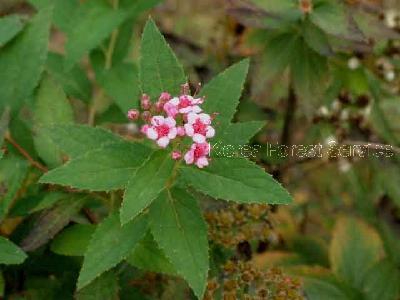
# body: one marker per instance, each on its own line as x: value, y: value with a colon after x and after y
x: 76, y: 140
x: 224, y: 91
x: 75, y: 82
x: 92, y: 23
x: 240, y: 133
x: 22, y: 61
x: 148, y: 256
x: 105, y: 169
x: 10, y: 26
x: 109, y: 245
x: 51, y: 107
x: 146, y: 184
x: 10, y: 254
x: 51, y: 221
x: 73, y: 241
x: 121, y: 83
x: 179, y: 229
x: 160, y: 70
x: 236, y: 179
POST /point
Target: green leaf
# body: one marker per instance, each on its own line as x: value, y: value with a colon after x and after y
x: 355, y: 247
x: 121, y: 83
x: 146, y: 184
x: 317, y: 289
x: 36, y: 203
x: 382, y: 282
x: 75, y: 82
x: 223, y: 93
x: 22, y: 60
x: 148, y: 256
x: 160, y: 70
x: 12, y: 174
x: 105, y: 169
x: 236, y: 179
x: 74, y: 240
x: 309, y: 70
x: 77, y: 140
x: 63, y: 10
x: 241, y: 133
x: 4, y: 122
x: 390, y: 182
x: 330, y: 17
x: 51, y: 221
x: 104, y: 287
x: 316, y: 39
x: 110, y: 244
x: 10, y: 26
x: 279, y: 51
x: 92, y: 23
x: 51, y: 108
x: 390, y: 241
x: 179, y: 229
x: 10, y: 254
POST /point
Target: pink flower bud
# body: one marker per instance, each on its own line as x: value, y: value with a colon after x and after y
x: 146, y: 116
x: 180, y: 131
x: 133, y: 114
x: 145, y: 102
x: 164, y: 97
x: 176, y: 155
x: 144, y: 129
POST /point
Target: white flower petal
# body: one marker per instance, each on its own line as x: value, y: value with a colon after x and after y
x: 189, y: 130
x: 170, y: 122
x: 198, y: 138
x: 174, y: 101
x: 163, y: 142
x: 202, y: 162
x: 172, y: 133
x: 210, y: 132
x: 152, y: 133
x: 205, y: 118
x: 192, y: 117
x: 157, y: 120
x: 185, y: 110
x: 196, y: 109
x: 189, y: 157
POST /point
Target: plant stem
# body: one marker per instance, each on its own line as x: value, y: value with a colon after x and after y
x: 289, y: 117
x: 24, y: 153
x: 113, y: 41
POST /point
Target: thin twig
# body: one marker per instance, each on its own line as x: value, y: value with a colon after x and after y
x: 24, y: 153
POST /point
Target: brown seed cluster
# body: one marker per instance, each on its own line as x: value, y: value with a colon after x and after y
x: 241, y: 280
x: 237, y: 223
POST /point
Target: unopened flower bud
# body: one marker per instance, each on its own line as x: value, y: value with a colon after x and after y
x: 133, y: 114
x: 176, y: 155
x: 145, y: 102
x: 146, y: 116
x: 144, y: 129
x: 180, y: 131
x: 164, y: 97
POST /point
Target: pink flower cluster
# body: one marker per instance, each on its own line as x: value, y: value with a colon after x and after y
x: 171, y: 118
